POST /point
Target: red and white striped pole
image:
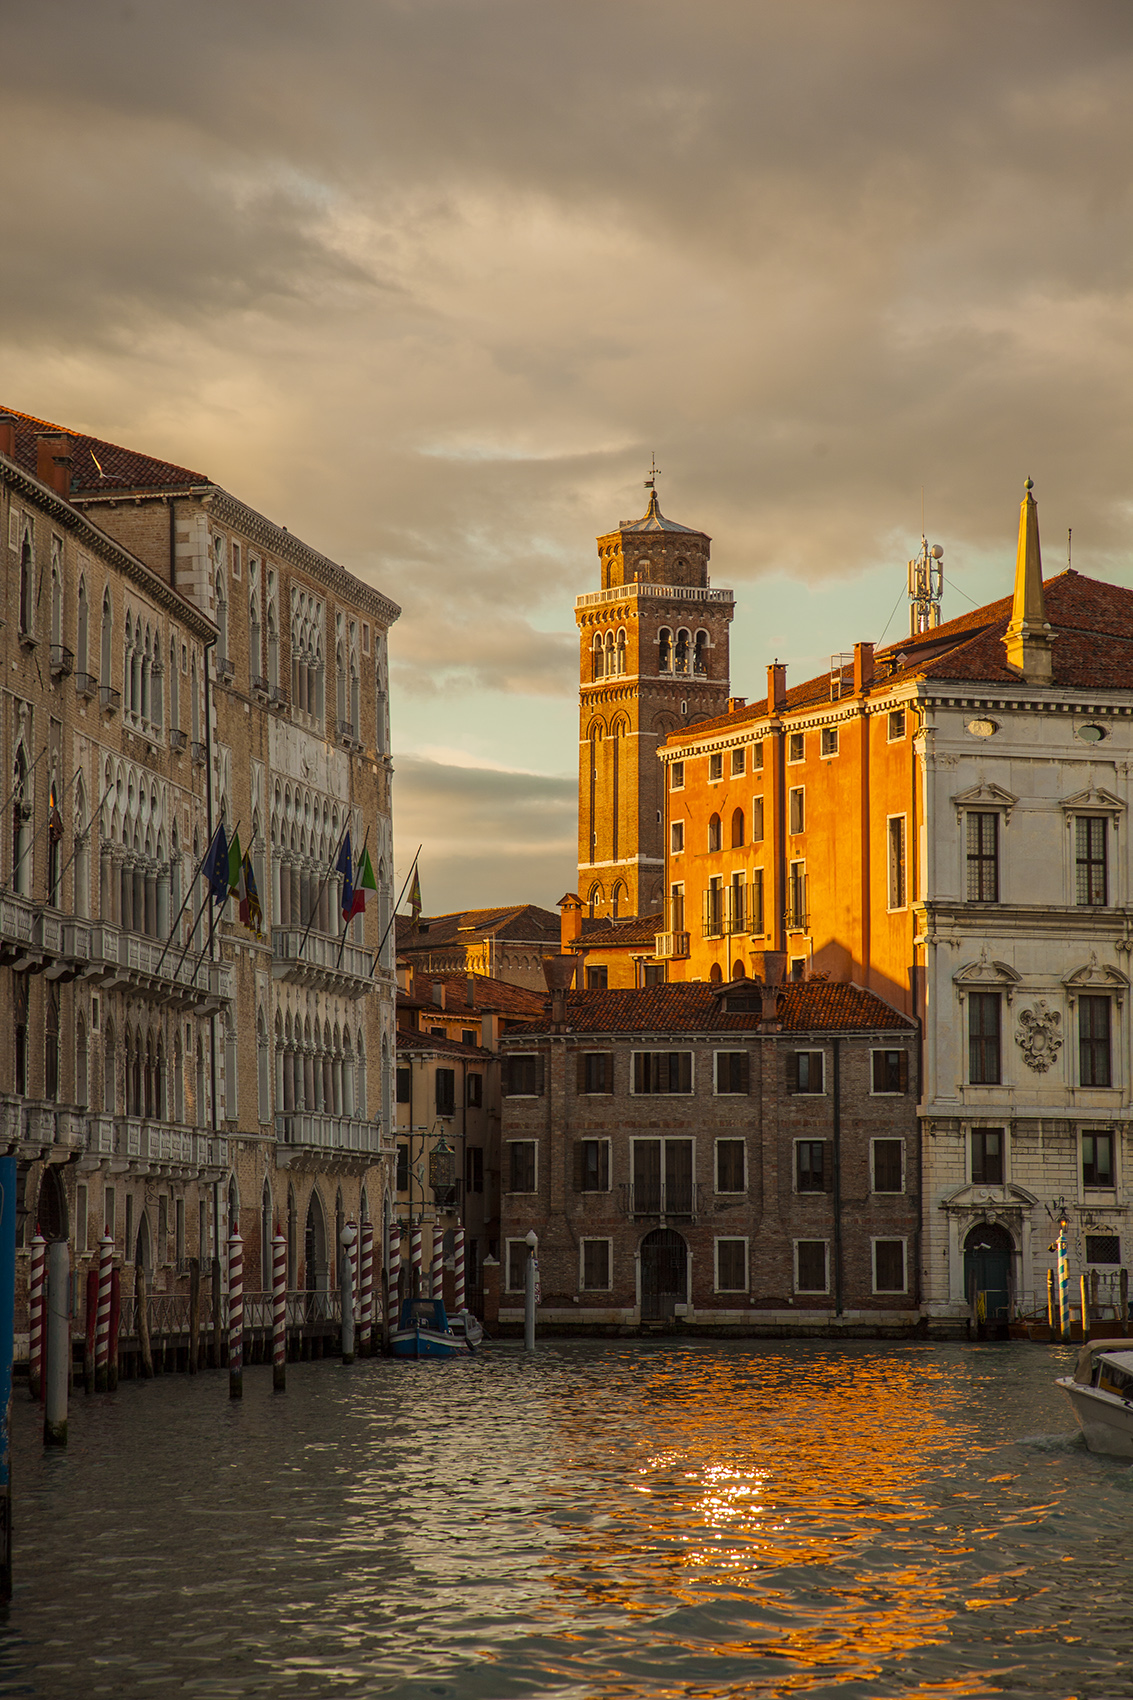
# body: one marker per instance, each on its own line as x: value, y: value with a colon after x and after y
x: 458, y: 1281
x: 352, y: 1249
x: 415, y: 1261
x: 235, y: 1315
x: 438, y: 1263
x: 366, y: 1294
x: 102, y: 1325
x: 393, y: 1281
x: 37, y: 1282
x: 279, y: 1313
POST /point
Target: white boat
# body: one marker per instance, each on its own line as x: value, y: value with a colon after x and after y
x: 1101, y: 1392
x: 466, y: 1327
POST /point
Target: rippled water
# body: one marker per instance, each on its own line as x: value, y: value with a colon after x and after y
x: 616, y: 1519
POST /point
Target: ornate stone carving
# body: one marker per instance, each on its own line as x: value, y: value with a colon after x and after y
x: 1038, y: 1036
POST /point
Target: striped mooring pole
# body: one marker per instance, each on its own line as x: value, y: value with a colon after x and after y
x: 36, y: 1305
x: 352, y: 1248
x: 366, y: 1292
x: 102, y: 1323
x: 415, y: 1261
x: 1063, y: 1281
x: 279, y: 1313
x: 438, y: 1272
x: 393, y: 1281
x: 235, y: 1314
x: 458, y: 1271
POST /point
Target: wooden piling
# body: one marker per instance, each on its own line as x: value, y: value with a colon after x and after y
x: 214, y: 1339
x: 235, y: 1315
x: 279, y: 1313
x: 37, y: 1286
x: 141, y: 1294
x: 115, y: 1328
x: 91, y: 1326
x: 1083, y: 1289
x: 194, y: 1315
x: 102, y: 1320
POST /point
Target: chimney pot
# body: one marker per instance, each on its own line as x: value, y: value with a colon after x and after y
x: 736, y: 702
x: 53, y: 454
x: 7, y: 436
x: 863, y: 668
x: 777, y: 687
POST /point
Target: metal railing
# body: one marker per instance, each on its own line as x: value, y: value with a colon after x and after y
x: 670, y: 944
x: 109, y: 699
x: 656, y: 1199
x: 62, y: 660
x: 669, y: 592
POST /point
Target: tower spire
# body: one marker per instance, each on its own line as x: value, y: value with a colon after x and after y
x: 1028, y: 638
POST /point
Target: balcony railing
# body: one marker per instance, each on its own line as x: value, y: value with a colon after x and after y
x: 670, y: 944
x: 110, y: 700
x: 225, y: 667
x: 86, y: 684
x: 36, y: 1123
x: 279, y: 697
x: 119, y: 958
x: 155, y: 1144
x: 199, y: 752
x: 314, y: 959
x: 316, y: 1132
x: 655, y: 1199
x: 62, y: 661
x: 669, y: 592
x: 260, y: 685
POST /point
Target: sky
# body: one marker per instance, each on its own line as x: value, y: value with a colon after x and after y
x: 431, y: 282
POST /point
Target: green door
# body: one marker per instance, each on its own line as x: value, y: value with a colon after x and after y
x: 987, y: 1270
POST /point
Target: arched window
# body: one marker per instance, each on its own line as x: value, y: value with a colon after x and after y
x: 739, y: 972
x: 51, y: 1041
x: 255, y: 637
x: 617, y: 900
x: 82, y: 641
x: 680, y: 662
x: 107, y: 640
x: 174, y: 687
x: 27, y: 586
x: 82, y: 1064
x: 21, y: 815
x: 273, y: 636
x: 737, y: 828
x: 263, y: 1069
x: 620, y: 653
x: 265, y: 1239
x: 109, y: 1093
x: 54, y: 841
x: 594, y: 900
x: 716, y: 974
x: 700, y: 654
x: 599, y: 663
x: 82, y: 850
x: 664, y: 650
x: 194, y: 703
x: 714, y: 835
x: 221, y: 624
x: 56, y: 604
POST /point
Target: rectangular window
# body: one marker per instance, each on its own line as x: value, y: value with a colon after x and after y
x: 475, y: 1091
x: 888, y: 1165
x: 129, y: 1213
x: 896, y: 861
x: 179, y: 1230
x: 890, y: 1071
x: 798, y: 968
x: 1093, y: 1041
x: 987, y: 1156
x: 596, y: 1266
x: 732, y: 1072
x: 468, y: 1036
x: 983, y: 858
x: 830, y: 740
x: 365, y: 637
x: 236, y: 560
x: 592, y: 1165
x: 810, y: 1266
x: 403, y: 1167
x: 597, y: 979
x: 1097, y: 1159
x: 1103, y: 1248
x: 796, y: 747
x: 805, y: 1071
x: 662, y: 1071
x: 756, y: 758
x: 654, y: 974
x: 677, y: 837
x: 730, y: 1166
x: 889, y: 1266
x: 677, y: 776
x: 595, y: 1071
x: 661, y: 1181
x: 983, y: 1038
x: 810, y: 1165
x: 446, y: 1092
x: 737, y: 905
x: 1090, y: 860
x: 516, y: 1265
x: 796, y: 898
x: 796, y: 809
x: 739, y: 761
x: 521, y: 1165
x: 677, y: 909
x: 731, y: 1266
x: 755, y: 922
x: 715, y: 768
x: 757, y: 820
x: 474, y: 1169
x: 896, y: 725
x: 523, y: 1077
x: 404, y: 1085
x: 714, y: 909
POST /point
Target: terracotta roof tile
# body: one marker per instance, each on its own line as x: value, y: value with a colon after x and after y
x: 809, y: 1006
x: 123, y: 469
x: 492, y: 997
x: 519, y: 921
x: 607, y: 935
x: 408, y: 1039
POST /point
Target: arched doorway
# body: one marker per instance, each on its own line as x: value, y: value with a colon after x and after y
x: 315, y: 1247
x: 51, y: 1207
x: 664, y: 1274
x: 987, y: 1271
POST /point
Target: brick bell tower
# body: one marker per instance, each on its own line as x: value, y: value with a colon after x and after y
x: 653, y: 656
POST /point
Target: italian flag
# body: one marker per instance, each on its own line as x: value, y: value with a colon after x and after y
x: 364, y: 882
x: 236, y: 886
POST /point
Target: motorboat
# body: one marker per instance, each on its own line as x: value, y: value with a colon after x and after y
x: 468, y: 1328
x: 1101, y: 1392
x: 424, y: 1331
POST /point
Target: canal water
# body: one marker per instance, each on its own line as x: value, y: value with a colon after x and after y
x: 604, y: 1519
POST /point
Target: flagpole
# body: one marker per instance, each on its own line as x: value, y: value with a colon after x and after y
x: 184, y: 905
x: 322, y: 882
x: 212, y: 922
x: 346, y: 923
x: 396, y: 907
x: 81, y: 837
x: 67, y: 783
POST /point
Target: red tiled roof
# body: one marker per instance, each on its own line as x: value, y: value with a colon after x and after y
x: 122, y: 469
x: 607, y: 935
x: 524, y: 922
x: 408, y: 1039
x: 1093, y: 648
x: 806, y: 1006
x: 492, y: 997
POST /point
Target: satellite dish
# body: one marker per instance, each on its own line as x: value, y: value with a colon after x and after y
x: 937, y: 552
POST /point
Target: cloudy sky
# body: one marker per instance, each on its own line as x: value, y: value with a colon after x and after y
x: 429, y: 281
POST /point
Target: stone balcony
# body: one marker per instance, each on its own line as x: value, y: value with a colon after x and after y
x: 36, y: 1128
x: 152, y: 1147
x: 313, y: 959
x: 62, y: 947
x: 307, y: 1139
x: 670, y: 944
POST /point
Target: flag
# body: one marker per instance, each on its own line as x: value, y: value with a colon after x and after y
x: 415, y: 897
x: 251, y: 913
x: 345, y: 867
x: 363, y: 883
x: 215, y: 867
x: 235, y: 869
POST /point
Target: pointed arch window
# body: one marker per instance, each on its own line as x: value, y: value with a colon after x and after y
x: 106, y: 641
x: 664, y: 650
x: 27, y: 586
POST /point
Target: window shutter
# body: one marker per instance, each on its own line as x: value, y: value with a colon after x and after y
x: 538, y: 1087
x: 684, y: 1071
x: 580, y: 1080
x: 744, y: 1082
x: 903, y: 1072
x: 792, y: 1071
x: 579, y: 1165
x: 827, y: 1167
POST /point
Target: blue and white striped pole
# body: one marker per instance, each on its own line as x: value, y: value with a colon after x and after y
x: 1063, y: 1280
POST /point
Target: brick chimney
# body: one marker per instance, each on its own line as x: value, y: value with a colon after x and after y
x: 7, y: 436
x: 570, y: 925
x: 736, y: 702
x: 439, y: 993
x: 53, y: 455
x: 769, y: 966
x: 558, y: 971
x: 863, y: 668
x: 777, y: 687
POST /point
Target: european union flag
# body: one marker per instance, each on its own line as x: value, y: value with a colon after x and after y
x: 215, y: 867
x: 345, y: 867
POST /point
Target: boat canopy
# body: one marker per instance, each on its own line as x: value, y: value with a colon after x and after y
x: 1093, y: 1349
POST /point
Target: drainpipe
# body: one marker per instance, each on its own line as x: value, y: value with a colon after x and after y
x: 173, y: 543
x: 211, y: 644
x: 837, y: 1143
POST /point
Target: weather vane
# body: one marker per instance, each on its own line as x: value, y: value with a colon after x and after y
x: 651, y: 481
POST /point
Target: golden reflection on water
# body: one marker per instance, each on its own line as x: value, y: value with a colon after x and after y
x: 746, y: 1468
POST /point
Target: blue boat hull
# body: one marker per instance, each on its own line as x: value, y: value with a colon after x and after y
x: 424, y: 1343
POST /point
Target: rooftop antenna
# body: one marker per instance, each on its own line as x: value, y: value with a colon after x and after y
x: 926, y: 584
x: 1069, y: 536
x: 651, y: 481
